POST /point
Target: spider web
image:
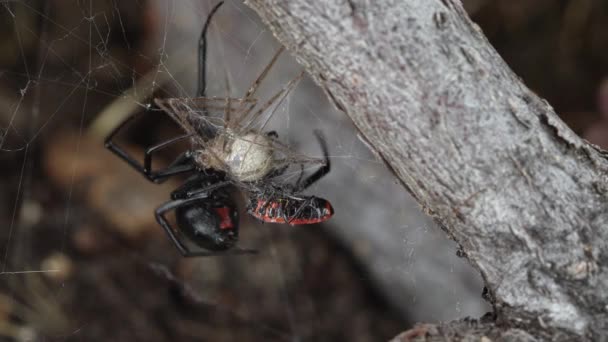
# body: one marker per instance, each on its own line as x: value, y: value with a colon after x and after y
x: 79, y: 241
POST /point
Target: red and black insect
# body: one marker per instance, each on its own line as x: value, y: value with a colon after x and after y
x: 304, y: 210
x: 283, y: 203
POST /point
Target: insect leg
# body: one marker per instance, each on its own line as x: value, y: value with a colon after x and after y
x: 280, y: 96
x: 260, y: 78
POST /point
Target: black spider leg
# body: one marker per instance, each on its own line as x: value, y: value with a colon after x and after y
x: 276, y: 172
x: 201, y: 195
x: 190, y: 186
x: 183, y: 163
x: 202, y: 53
x: 322, y: 171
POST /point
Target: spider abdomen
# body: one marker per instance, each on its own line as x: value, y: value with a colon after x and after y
x: 211, y: 227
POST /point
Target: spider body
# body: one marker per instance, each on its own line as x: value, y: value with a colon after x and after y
x: 212, y: 223
x: 226, y: 152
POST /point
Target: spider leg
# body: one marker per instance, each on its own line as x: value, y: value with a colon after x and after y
x: 251, y: 92
x: 201, y: 195
x: 186, y: 190
x: 206, y: 190
x: 279, y: 95
x: 202, y: 53
x: 228, y: 106
x: 181, y: 164
x: 260, y: 78
x: 322, y: 171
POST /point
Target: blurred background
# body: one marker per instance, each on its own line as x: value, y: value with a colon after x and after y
x: 81, y: 256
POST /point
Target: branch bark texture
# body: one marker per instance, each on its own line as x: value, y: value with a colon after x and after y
x: 522, y: 194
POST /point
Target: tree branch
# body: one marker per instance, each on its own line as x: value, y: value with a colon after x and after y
x: 522, y: 194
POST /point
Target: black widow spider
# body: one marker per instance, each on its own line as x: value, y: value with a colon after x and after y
x: 204, y: 211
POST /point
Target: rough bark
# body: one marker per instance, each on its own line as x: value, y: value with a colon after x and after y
x: 489, y: 160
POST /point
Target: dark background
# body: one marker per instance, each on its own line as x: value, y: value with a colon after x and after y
x: 81, y: 256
